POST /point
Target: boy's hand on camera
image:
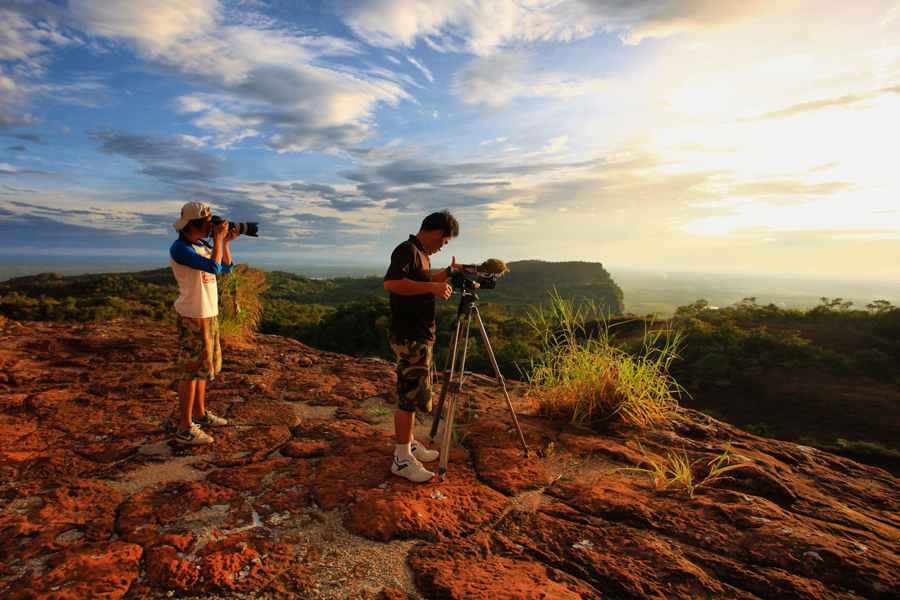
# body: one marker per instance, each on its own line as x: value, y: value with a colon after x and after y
x: 220, y: 230
x: 442, y: 290
x: 232, y: 233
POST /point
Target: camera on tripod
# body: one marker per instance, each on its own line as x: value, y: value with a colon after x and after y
x: 483, y: 276
x: 463, y: 280
x: 469, y: 278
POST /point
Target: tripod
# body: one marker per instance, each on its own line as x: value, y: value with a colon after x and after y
x: 452, y: 379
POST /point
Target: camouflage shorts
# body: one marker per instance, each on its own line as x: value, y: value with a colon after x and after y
x: 199, y: 353
x: 413, y: 374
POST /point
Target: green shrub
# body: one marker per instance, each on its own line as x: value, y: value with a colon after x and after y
x: 875, y: 363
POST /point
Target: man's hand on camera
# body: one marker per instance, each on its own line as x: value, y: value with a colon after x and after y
x: 442, y: 290
x: 220, y: 231
x: 232, y: 233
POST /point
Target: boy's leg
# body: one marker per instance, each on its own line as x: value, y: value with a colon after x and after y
x: 194, y: 364
x: 199, y: 394
x: 186, y: 391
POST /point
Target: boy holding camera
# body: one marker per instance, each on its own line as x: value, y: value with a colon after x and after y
x: 195, y: 265
x: 413, y: 289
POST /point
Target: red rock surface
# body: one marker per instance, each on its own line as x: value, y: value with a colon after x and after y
x: 295, y: 497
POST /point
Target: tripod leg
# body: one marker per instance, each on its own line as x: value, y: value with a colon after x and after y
x: 500, y: 380
x: 445, y: 378
x: 447, y: 438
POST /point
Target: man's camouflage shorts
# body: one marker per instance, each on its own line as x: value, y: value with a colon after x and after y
x: 413, y: 374
x: 199, y: 353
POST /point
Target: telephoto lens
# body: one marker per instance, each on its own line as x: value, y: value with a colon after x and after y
x: 251, y: 228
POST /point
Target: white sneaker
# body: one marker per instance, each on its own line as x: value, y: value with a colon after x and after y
x: 412, y: 469
x: 209, y: 420
x: 422, y: 453
x: 193, y: 436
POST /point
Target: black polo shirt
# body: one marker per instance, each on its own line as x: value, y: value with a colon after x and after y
x: 412, y: 316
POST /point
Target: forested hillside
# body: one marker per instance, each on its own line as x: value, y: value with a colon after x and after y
x: 347, y: 314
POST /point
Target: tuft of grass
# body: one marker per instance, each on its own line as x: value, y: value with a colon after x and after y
x: 240, y: 305
x: 381, y: 410
x: 583, y: 378
x: 679, y: 473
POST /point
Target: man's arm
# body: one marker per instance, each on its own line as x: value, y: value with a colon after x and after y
x: 408, y: 287
x: 442, y: 275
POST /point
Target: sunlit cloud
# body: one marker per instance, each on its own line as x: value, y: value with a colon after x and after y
x: 495, y: 81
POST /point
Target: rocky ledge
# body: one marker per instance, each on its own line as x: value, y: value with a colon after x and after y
x: 295, y: 497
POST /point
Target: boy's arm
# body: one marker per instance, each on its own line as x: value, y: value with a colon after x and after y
x: 227, y: 263
x: 184, y: 254
x: 218, y: 249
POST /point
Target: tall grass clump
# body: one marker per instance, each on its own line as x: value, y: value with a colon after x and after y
x: 581, y: 377
x: 240, y: 305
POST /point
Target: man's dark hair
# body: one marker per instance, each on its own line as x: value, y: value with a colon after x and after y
x: 441, y: 220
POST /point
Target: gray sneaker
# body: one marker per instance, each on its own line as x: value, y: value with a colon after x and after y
x: 412, y: 469
x: 422, y: 453
x: 192, y: 436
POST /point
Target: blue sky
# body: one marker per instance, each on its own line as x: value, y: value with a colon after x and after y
x: 730, y: 136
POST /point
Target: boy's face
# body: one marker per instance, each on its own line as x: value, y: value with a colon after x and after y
x: 199, y: 233
x: 435, y: 241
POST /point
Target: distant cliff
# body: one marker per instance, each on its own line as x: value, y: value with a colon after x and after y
x: 529, y: 282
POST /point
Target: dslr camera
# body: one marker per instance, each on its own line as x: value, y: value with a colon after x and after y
x: 251, y: 228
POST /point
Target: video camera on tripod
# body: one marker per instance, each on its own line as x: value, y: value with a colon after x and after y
x: 483, y: 276
x: 469, y: 278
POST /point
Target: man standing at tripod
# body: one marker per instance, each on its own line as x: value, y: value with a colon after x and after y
x: 413, y: 290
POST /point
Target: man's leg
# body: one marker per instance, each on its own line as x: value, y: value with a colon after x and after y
x: 412, y: 385
x: 403, y: 426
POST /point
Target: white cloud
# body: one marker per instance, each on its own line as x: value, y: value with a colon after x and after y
x: 555, y: 145
x: 27, y: 36
x: 261, y: 81
x: 422, y: 68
